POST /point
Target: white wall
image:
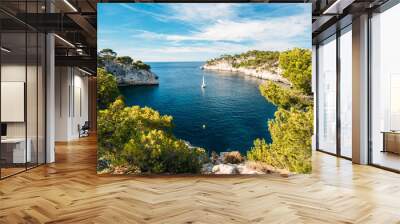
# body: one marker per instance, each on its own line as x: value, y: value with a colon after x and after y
x: 80, y: 109
x: 71, y: 102
x: 62, y: 81
x: 33, y: 126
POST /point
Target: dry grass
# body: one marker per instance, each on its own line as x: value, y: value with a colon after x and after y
x: 265, y: 168
x: 233, y: 157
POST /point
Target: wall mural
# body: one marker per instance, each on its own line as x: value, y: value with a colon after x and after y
x: 204, y: 88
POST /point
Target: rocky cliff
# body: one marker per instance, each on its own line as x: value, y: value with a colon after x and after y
x: 249, y: 63
x: 128, y: 75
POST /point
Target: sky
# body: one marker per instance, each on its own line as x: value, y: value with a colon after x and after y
x: 155, y: 32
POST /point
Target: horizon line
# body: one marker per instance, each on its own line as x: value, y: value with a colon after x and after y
x: 170, y: 61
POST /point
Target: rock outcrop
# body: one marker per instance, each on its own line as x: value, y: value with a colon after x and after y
x: 219, y: 165
x: 127, y: 75
x: 225, y: 169
x: 273, y: 74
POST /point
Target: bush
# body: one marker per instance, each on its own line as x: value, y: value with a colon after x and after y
x: 233, y: 157
x: 141, y: 137
x: 118, y: 124
x: 291, y: 133
x: 159, y: 152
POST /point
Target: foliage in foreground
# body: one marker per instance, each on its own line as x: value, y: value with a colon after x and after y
x: 290, y: 149
x: 142, y: 138
x: 292, y: 128
x: 107, y: 88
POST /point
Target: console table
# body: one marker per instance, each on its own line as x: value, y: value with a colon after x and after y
x: 13, y: 150
x: 391, y: 141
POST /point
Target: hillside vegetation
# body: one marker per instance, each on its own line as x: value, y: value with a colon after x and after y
x: 125, y: 69
x: 109, y: 55
x: 250, y: 59
x: 292, y: 128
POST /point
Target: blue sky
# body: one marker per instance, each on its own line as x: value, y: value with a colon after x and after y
x: 197, y: 32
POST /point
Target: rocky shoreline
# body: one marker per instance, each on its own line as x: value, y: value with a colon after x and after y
x: 265, y: 74
x: 127, y: 75
x: 234, y: 163
x: 226, y: 163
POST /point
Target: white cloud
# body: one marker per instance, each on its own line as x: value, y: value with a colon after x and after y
x: 237, y: 31
x: 157, y: 16
x: 219, y: 30
x: 191, y: 12
x: 199, y: 13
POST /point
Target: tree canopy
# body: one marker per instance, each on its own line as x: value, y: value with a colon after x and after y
x: 110, y: 55
x: 126, y: 60
x: 107, y: 54
x: 284, y: 96
x: 141, y: 65
x: 296, y: 65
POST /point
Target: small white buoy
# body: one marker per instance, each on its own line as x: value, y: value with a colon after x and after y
x: 204, y: 126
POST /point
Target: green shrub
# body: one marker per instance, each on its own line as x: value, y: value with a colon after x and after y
x: 142, y: 137
x: 296, y: 65
x: 159, y: 152
x: 118, y: 124
x: 291, y: 133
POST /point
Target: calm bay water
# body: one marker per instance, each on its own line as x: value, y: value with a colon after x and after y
x: 231, y: 107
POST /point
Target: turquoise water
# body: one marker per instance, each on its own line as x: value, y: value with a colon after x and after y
x: 230, y: 107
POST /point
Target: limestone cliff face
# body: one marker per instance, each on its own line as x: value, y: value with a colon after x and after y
x: 127, y: 75
x: 270, y: 73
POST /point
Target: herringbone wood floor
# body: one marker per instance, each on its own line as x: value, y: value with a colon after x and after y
x: 69, y: 191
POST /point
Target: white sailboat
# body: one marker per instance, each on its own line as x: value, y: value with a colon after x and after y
x: 203, y: 85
